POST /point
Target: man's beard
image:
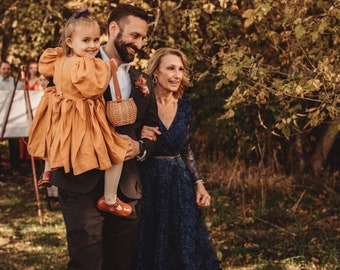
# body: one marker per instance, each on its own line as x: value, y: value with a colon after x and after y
x: 122, y: 49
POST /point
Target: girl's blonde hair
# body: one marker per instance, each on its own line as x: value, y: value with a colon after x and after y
x: 155, y: 60
x: 83, y: 18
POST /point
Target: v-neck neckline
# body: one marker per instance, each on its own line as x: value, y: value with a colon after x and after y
x: 173, y: 120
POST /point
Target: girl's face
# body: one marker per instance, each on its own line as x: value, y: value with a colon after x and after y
x: 169, y: 73
x: 84, y: 41
x: 43, y: 82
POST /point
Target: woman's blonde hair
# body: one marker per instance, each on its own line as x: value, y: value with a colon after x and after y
x: 83, y: 18
x: 155, y: 60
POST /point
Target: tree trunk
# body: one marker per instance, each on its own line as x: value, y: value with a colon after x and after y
x: 323, y: 148
x: 6, y: 36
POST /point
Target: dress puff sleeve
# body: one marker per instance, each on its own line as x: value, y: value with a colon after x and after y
x: 90, y: 76
x: 47, y: 60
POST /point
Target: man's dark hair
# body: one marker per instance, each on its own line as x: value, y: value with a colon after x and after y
x: 5, y: 62
x: 124, y: 10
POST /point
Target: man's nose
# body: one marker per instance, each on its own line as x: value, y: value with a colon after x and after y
x: 139, y: 43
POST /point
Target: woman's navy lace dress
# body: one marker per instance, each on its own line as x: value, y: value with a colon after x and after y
x: 172, y: 233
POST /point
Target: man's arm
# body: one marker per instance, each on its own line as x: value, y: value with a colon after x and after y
x: 147, y: 144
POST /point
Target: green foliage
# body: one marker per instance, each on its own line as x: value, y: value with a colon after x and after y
x: 27, y: 28
x: 287, y: 60
x: 263, y: 72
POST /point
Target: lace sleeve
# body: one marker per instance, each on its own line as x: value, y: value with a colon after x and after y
x: 186, y: 153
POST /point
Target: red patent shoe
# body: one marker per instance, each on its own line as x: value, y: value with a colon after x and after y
x: 45, y: 179
x: 119, y: 208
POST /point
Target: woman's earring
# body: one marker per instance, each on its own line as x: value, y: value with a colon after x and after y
x: 154, y: 79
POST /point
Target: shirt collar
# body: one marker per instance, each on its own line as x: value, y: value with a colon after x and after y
x: 5, y: 79
x: 124, y: 67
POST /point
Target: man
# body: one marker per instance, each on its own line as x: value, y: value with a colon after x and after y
x: 8, y: 83
x: 96, y: 239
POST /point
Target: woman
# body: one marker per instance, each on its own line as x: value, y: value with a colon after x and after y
x: 32, y: 76
x: 172, y: 231
x: 31, y: 82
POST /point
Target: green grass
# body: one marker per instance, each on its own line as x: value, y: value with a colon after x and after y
x: 24, y: 242
x: 253, y: 225
x: 280, y: 231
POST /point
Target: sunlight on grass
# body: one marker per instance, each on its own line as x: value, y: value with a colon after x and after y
x: 254, y: 225
x: 24, y: 243
x: 262, y: 221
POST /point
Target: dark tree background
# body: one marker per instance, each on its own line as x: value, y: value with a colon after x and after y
x: 265, y: 73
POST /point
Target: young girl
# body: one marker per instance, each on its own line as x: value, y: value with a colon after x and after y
x: 43, y: 82
x: 70, y: 128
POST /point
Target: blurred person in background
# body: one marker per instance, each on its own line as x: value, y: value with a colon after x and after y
x: 8, y: 83
x: 31, y: 82
x: 32, y: 76
x: 43, y: 82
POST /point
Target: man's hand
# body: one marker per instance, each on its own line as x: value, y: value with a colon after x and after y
x: 133, y: 149
x: 150, y: 133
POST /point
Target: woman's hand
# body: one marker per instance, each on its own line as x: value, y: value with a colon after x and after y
x: 150, y: 133
x: 203, y: 198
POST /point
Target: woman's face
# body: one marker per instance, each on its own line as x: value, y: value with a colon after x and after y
x: 33, y: 68
x: 169, y: 73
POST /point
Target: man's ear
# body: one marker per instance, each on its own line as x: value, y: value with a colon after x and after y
x: 68, y: 42
x: 113, y: 28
